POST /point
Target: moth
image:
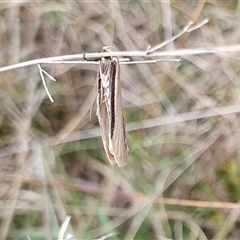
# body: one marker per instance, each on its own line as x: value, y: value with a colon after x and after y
x: 110, y: 110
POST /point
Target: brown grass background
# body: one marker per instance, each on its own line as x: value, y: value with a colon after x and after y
x: 52, y: 162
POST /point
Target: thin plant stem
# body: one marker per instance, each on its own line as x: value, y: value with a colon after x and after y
x: 44, y: 83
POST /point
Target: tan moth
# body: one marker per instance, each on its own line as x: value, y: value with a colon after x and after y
x: 110, y: 110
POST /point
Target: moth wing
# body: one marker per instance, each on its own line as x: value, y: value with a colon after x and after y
x: 118, y: 145
x: 103, y: 118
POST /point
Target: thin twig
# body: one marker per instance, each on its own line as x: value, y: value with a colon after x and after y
x: 151, y: 61
x: 203, y: 22
x: 73, y: 62
x: 150, y: 50
x: 49, y: 76
x: 180, y: 52
x: 44, y: 83
x: 126, y: 62
x: 186, y: 29
x: 63, y: 228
